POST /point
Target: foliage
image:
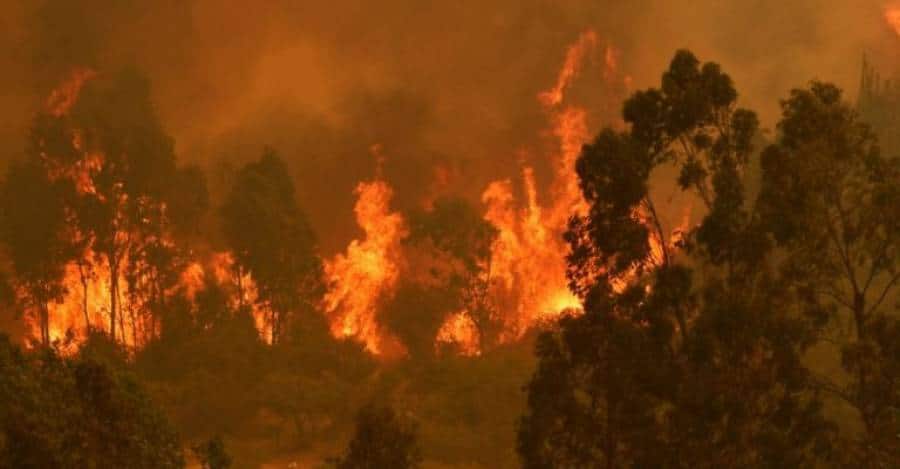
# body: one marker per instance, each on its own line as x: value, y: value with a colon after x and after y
x: 450, y: 247
x: 212, y: 454
x: 832, y: 203
x: 272, y: 240
x: 33, y: 232
x: 381, y: 439
x: 79, y: 412
x: 689, y: 353
x: 117, y: 163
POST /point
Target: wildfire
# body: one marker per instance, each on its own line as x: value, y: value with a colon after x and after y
x: 63, y: 97
x: 575, y: 55
x: 459, y: 330
x: 368, y: 270
x: 528, y: 254
x: 91, y: 291
x: 526, y: 273
x: 86, y: 305
x: 243, y: 289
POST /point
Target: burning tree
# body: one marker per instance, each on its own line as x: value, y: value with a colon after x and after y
x: 449, y: 252
x: 33, y: 230
x: 101, y: 138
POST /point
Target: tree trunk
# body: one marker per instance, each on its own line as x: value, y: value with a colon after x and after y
x: 240, y: 287
x: 113, y: 293
x: 45, y: 324
x: 274, y: 322
x: 83, y: 276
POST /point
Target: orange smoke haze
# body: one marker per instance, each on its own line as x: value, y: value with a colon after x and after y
x: 526, y: 270
x: 892, y: 16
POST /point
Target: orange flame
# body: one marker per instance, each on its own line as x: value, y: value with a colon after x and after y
x: 64, y: 97
x: 368, y: 270
x: 575, y: 55
x: 459, y: 330
x: 527, y: 258
x: 86, y: 301
x: 892, y: 16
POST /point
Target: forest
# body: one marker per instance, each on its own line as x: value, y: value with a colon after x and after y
x: 632, y: 266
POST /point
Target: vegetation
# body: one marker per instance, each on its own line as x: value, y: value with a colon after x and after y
x: 695, y: 357
x: 763, y: 331
x: 272, y: 241
x: 381, y: 439
x: 81, y: 412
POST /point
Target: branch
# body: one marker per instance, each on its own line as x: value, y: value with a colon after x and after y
x: 828, y: 386
x: 835, y: 297
x: 882, y: 250
x: 659, y: 230
x: 845, y: 256
x: 884, y: 293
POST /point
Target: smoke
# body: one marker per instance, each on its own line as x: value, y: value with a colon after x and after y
x: 448, y: 91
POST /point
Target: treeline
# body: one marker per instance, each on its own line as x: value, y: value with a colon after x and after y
x: 766, y: 336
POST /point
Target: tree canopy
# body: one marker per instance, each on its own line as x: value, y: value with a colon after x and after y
x: 690, y: 351
x: 80, y: 412
x: 272, y: 240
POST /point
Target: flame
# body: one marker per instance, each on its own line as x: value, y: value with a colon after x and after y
x: 64, y: 96
x: 892, y: 16
x: 86, y: 303
x: 575, y: 55
x: 459, y: 330
x: 528, y: 262
x: 528, y: 268
x: 244, y: 292
x: 368, y: 270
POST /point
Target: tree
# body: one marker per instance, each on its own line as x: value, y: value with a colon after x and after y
x: 111, y: 146
x: 689, y: 351
x: 33, y: 228
x: 381, y: 440
x: 832, y: 202
x: 212, y: 454
x: 272, y: 240
x: 449, y: 248
x: 80, y: 412
x: 455, y: 228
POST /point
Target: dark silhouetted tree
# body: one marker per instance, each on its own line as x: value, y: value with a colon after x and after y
x: 272, y: 241
x: 60, y: 413
x: 33, y: 231
x: 212, y: 454
x: 381, y: 440
x: 449, y: 247
x: 687, y: 357
x: 832, y: 202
